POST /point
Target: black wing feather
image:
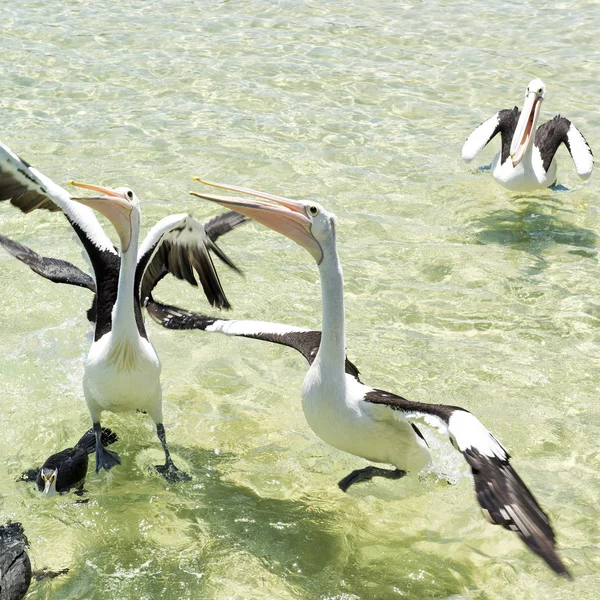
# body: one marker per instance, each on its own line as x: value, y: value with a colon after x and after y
x: 172, y: 255
x: 305, y: 342
x: 507, y: 501
x: 501, y: 493
x: 24, y: 199
x: 550, y: 136
x: 54, y: 269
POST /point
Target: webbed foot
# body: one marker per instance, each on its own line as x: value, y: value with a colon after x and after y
x: 171, y: 473
x: 106, y: 459
x: 367, y: 474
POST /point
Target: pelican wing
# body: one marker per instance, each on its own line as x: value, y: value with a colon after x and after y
x: 28, y: 189
x: 180, y: 245
x: 305, y: 341
x: 503, y: 122
x: 54, y: 269
x: 501, y: 493
x: 557, y: 131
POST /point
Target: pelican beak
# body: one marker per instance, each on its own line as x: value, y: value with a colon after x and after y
x: 525, y: 129
x: 48, y: 483
x: 283, y: 215
x: 113, y: 205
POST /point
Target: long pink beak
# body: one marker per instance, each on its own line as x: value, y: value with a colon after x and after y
x: 113, y: 205
x: 285, y: 216
x: 525, y: 129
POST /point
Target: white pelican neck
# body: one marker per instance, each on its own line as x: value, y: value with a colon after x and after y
x: 332, y: 351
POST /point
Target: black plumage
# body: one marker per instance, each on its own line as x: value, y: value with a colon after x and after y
x: 305, y: 342
x: 67, y: 469
x: 504, y: 498
x: 61, y: 271
x: 15, y: 567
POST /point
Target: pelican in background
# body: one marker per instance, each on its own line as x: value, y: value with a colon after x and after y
x: 526, y: 160
x: 122, y: 370
x: 369, y: 422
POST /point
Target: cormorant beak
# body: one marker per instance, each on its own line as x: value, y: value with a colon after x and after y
x: 525, y: 129
x: 48, y: 485
x: 113, y: 205
x: 284, y: 216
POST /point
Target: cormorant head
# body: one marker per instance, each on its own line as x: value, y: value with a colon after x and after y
x: 49, y: 475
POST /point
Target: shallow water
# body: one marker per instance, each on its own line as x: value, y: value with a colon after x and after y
x: 457, y: 291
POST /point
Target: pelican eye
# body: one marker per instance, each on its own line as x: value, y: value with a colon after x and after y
x: 313, y: 211
x: 130, y: 194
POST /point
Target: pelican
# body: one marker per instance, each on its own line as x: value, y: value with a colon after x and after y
x: 372, y: 423
x: 122, y: 369
x: 526, y: 161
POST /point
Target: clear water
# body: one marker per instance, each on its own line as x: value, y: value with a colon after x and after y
x: 457, y: 291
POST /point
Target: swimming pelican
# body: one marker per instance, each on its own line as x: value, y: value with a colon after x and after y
x: 374, y: 424
x: 526, y: 161
x: 122, y: 370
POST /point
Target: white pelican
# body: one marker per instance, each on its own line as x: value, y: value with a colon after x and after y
x: 526, y: 161
x: 122, y: 370
x: 370, y: 422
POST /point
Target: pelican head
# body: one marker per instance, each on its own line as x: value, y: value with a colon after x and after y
x: 525, y: 130
x: 306, y: 223
x: 49, y: 476
x: 117, y: 205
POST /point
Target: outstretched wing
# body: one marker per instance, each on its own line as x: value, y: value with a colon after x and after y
x: 54, y: 269
x: 305, y: 341
x: 28, y: 189
x: 502, y: 495
x: 503, y: 122
x: 180, y: 245
x: 557, y: 131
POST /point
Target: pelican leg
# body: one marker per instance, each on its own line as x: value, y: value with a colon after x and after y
x: 169, y: 471
x: 367, y: 474
x: 105, y: 459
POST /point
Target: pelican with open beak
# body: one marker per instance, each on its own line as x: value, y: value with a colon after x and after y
x: 122, y: 369
x: 523, y: 136
x: 369, y: 422
x: 527, y: 160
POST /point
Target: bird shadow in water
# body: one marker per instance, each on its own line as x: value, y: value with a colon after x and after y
x: 534, y: 227
x: 307, y: 543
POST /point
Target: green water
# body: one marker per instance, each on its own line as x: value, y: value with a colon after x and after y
x: 457, y: 291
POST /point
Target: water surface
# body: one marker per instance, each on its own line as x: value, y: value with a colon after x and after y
x: 457, y: 291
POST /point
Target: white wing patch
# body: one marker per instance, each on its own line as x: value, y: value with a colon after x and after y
x: 159, y: 229
x: 480, y: 137
x: 581, y: 152
x: 253, y: 328
x: 429, y: 420
x: 468, y: 432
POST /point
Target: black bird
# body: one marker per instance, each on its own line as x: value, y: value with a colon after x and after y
x: 15, y: 567
x: 67, y: 469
